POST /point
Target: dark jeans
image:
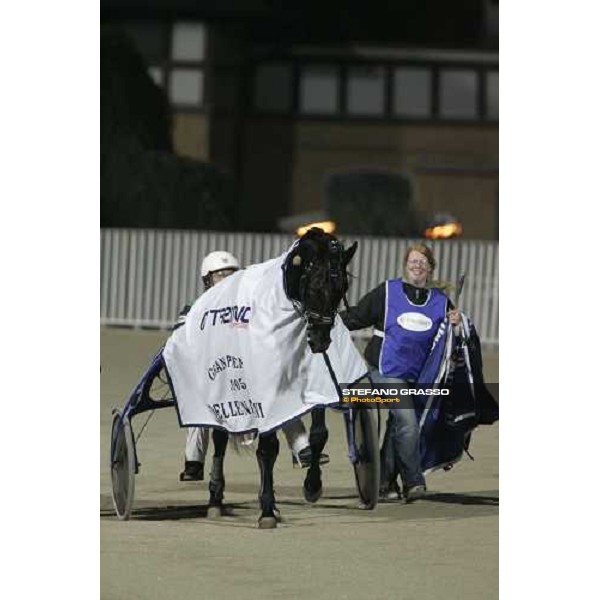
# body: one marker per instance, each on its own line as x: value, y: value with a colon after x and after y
x: 400, y: 454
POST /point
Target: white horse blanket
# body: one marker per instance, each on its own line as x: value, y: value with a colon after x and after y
x: 241, y: 361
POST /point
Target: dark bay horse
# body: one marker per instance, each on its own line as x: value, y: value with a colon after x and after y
x: 315, y: 280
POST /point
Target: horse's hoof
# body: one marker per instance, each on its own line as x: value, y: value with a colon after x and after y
x: 214, y: 512
x: 312, y: 495
x: 267, y: 522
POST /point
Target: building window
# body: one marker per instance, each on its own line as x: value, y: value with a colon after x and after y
x: 273, y: 88
x: 492, y: 100
x: 319, y: 90
x: 186, y: 87
x: 366, y: 90
x: 412, y: 92
x: 189, y: 41
x: 458, y: 94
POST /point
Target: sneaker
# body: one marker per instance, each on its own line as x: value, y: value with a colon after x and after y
x: 416, y: 492
x: 304, y: 458
x: 193, y: 471
x: 390, y: 491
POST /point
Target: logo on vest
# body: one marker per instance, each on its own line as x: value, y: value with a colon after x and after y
x: 414, y: 321
x: 234, y: 315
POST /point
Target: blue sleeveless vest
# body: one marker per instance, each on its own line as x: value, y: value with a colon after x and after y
x: 408, y: 330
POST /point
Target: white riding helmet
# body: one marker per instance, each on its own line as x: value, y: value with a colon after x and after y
x: 215, y: 262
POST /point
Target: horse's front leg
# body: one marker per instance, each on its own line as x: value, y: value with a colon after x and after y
x: 216, y: 486
x: 313, y: 486
x: 268, y: 449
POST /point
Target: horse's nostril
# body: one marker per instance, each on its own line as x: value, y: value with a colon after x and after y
x: 318, y: 346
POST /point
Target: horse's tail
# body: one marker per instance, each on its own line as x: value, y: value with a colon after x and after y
x: 244, y: 443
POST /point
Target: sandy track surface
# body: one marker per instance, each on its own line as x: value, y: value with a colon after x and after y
x: 445, y: 546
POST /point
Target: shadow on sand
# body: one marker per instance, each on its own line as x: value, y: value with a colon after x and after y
x: 465, y: 499
x: 176, y: 513
x: 249, y: 509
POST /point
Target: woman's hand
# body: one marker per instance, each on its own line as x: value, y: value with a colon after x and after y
x: 454, y: 316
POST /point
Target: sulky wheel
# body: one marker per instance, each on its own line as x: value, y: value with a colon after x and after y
x: 367, y: 468
x: 122, y: 466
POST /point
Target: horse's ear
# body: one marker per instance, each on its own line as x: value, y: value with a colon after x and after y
x: 349, y: 254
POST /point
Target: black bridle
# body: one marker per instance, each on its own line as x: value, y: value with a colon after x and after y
x: 337, y: 279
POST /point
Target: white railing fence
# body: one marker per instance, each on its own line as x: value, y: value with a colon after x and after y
x: 148, y: 275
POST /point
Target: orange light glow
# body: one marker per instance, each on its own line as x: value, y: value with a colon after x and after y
x: 326, y: 226
x: 444, y: 232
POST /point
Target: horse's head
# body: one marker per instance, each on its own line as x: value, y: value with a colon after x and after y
x: 315, y: 280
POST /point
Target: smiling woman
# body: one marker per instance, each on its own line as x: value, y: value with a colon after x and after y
x: 419, y: 263
x: 406, y: 313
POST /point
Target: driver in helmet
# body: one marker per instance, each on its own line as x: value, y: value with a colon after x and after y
x: 215, y: 267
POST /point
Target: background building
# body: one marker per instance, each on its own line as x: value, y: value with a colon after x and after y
x: 378, y: 116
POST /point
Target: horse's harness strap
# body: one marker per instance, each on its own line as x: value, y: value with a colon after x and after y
x: 309, y: 315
